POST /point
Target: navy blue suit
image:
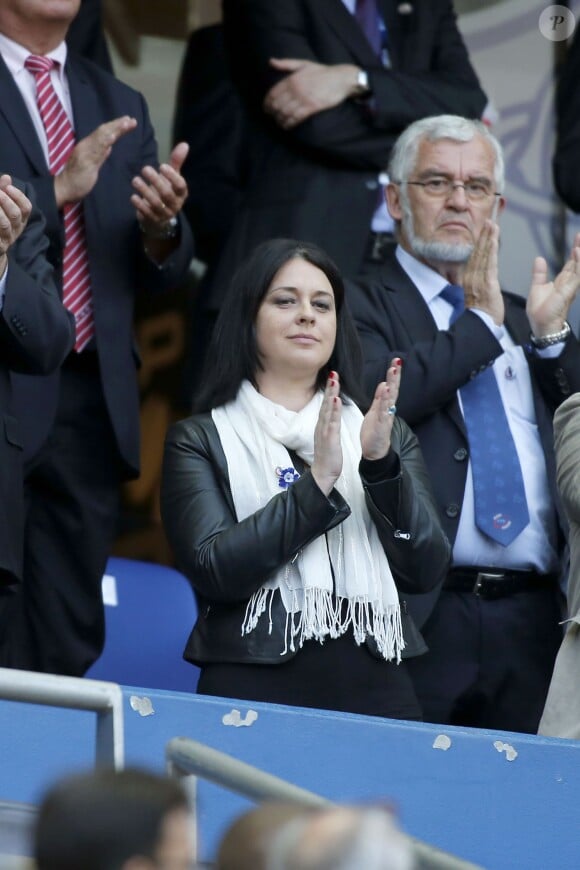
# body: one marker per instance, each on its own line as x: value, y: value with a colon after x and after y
x: 36, y: 333
x: 393, y: 319
x: 85, y: 439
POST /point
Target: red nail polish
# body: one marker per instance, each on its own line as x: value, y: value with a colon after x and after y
x: 398, y: 361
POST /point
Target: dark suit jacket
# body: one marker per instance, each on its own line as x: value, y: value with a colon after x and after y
x: 119, y: 268
x: 319, y: 181
x: 565, y: 162
x: 210, y: 118
x: 36, y: 333
x: 86, y: 35
x: 393, y: 320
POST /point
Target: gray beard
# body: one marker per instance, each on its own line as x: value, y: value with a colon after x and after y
x: 437, y: 252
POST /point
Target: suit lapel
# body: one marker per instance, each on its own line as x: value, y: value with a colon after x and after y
x: 347, y: 29
x: 408, y: 302
x: 15, y: 114
x: 412, y: 309
x: 83, y: 100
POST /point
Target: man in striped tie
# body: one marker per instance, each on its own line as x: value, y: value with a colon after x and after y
x: 85, y: 142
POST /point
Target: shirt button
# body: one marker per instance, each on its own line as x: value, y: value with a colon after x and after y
x: 452, y: 510
x: 460, y: 454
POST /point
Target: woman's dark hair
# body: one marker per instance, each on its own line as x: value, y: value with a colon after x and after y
x: 233, y: 352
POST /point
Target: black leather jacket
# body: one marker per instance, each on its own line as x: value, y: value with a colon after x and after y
x: 227, y: 561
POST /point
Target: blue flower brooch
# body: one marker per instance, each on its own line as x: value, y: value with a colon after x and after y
x: 286, y: 476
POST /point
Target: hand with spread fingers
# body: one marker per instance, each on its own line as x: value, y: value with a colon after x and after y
x: 327, y: 463
x: 15, y: 210
x: 549, y: 301
x: 82, y: 168
x: 375, y: 433
x: 480, y: 276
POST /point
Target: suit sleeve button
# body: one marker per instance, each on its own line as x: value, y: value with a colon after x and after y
x: 460, y: 454
x: 452, y: 510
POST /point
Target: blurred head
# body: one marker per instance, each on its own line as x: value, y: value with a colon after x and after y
x: 446, y: 179
x: 285, y: 308
x: 246, y: 843
x: 114, y: 820
x: 342, y: 838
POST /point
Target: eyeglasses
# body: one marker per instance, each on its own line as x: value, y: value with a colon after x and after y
x: 442, y: 188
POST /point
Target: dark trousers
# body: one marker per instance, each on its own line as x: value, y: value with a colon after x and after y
x: 54, y: 620
x: 489, y: 662
x: 335, y: 675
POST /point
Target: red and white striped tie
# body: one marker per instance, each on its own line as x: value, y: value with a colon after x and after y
x: 76, y: 282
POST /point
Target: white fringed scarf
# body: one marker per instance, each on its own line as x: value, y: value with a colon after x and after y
x: 255, y: 434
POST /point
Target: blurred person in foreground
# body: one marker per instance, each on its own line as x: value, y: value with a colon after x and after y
x: 561, y: 716
x: 341, y: 838
x: 300, y: 523
x: 247, y: 842
x: 114, y: 820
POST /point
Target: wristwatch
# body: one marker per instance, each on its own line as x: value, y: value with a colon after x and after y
x: 362, y: 83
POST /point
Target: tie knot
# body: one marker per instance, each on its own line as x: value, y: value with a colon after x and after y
x: 38, y: 64
x: 454, y: 294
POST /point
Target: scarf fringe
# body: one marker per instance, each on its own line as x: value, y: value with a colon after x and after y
x: 320, y: 618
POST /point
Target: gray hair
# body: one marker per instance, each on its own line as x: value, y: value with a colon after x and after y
x: 404, y: 154
x: 358, y: 837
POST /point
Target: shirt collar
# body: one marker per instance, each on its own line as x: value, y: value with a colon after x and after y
x: 429, y: 282
x: 15, y: 54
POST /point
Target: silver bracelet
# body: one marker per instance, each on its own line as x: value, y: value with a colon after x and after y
x: 542, y: 341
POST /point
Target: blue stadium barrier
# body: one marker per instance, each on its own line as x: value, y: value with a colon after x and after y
x: 505, y: 801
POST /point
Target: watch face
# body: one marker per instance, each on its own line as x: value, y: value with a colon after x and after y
x: 362, y: 81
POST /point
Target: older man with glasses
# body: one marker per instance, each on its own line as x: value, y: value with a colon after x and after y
x: 483, y: 372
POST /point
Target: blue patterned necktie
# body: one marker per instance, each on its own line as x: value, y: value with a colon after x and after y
x: 501, y: 510
x: 367, y: 15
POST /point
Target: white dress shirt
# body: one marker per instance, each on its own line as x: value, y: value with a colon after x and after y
x: 535, y: 547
